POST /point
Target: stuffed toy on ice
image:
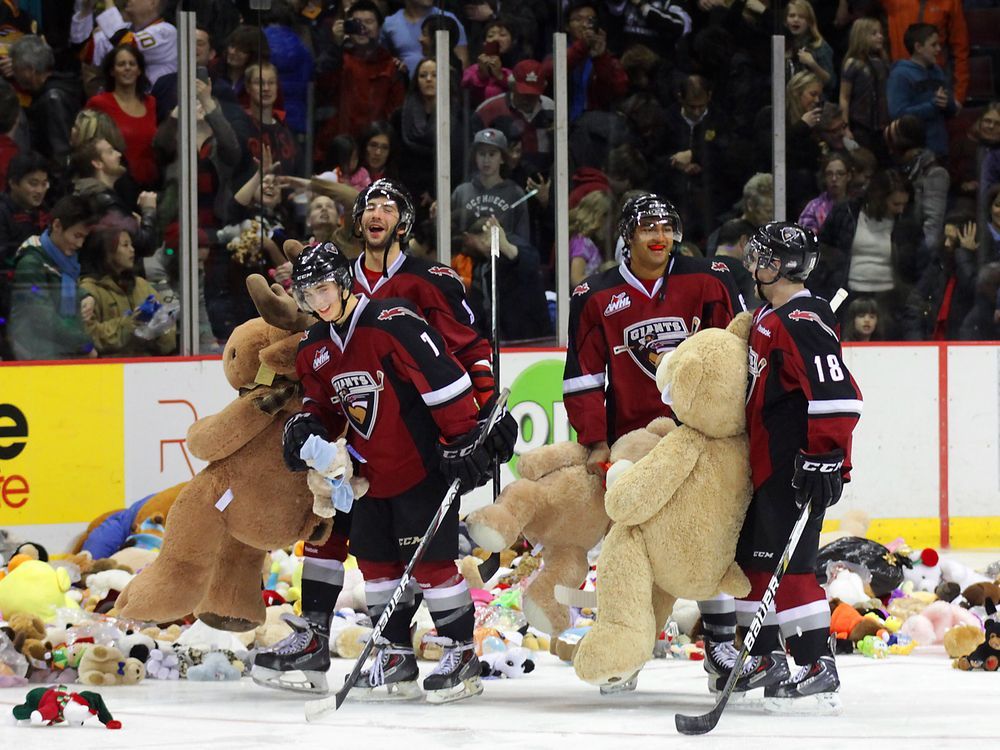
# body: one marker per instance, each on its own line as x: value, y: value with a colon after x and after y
x: 678, y: 512
x: 558, y: 504
x: 245, y: 501
x: 50, y: 706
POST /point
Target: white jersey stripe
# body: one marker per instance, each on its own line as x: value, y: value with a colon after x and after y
x: 835, y: 406
x: 583, y: 383
x: 448, y: 392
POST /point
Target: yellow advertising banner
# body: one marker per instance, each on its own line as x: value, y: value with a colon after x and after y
x: 61, y: 443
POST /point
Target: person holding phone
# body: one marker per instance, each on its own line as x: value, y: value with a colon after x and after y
x: 486, y: 77
x: 597, y: 78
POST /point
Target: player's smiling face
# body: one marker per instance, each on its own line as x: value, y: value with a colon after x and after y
x: 652, y: 242
x: 379, y: 222
x: 325, y: 299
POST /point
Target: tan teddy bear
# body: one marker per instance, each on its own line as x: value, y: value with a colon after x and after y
x: 558, y: 504
x: 106, y: 665
x: 678, y: 512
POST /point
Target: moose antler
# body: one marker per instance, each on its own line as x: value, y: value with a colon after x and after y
x: 275, y: 305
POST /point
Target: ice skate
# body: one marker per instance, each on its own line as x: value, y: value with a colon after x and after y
x: 457, y: 675
x: 758, y: 672
x: 392, y: 676
x: 622, y: 686
x: 298, y: 663
x: 814, y: 689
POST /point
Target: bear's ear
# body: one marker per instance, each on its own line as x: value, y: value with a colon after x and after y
x: 740, y: 326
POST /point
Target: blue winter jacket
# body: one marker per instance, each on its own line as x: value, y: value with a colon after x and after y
x: 910, y: 91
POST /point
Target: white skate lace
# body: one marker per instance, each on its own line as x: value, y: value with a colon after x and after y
x: 452, y: 653
x: 801, y: 674
x: 294, y: 644
x: 376, y: 675
x: 724, y: 653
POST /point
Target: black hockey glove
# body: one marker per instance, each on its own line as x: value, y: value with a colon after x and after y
x: 817, y: 477
x: 500, y: 440
x: 464, y: 460
x: 297, y: 430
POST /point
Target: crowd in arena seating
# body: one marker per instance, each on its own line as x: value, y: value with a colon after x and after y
x: 892, y: 151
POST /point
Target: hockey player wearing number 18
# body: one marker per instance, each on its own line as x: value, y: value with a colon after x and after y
x: 802, y: 407
x: 378, y: 368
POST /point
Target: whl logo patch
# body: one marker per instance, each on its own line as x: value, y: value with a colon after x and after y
x: 321, y: 358
x: 647, y: 340
x: 357, y: 394
x: 619, y: 301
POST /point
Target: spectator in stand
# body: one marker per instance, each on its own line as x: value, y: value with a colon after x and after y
x: 863, y: 80
x: 868, y: 250
x: 57, y: 97
x: 863, y: 165
x: 377, y: 145
x: 919, y: 87
x: 343, y: 164
x: 948, y: 18
x: 244, y: 48
x: 121, y: 302
x: 488, y: 193
x: 292, y: 61
x: 363, y: 59
x: 991, y: 237
x: 525, y: 109
x: 401, y: 33
x: 166, y: 88
x: 659, y: 23
x: 970, y: 153
x: 22, y: 212
x: 591, y: 231
x: 989, y: 174
x: 10, y: 115
x: 834, y: 177
x: 487, y: 77
x: 807, y: 49
x: 428, y: 33
x: 983, y: 321
x: 143, y: 22
x: 97, y: 166
x: 126, y: 101
x: 504, y: 30
x: 266, y: 124
x: 597, y: 79
x: 418, y: 137
x: 733, y: 236
x: 323, y: 219
x: 906, y: 139
x: 756, y: 206
x: 46, y: 320
x: 861, y: 321
x: 476, y: 18
x: 943, y: 296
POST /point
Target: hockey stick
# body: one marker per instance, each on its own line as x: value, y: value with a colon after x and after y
x: 706, y: 722
x: 317, y: 708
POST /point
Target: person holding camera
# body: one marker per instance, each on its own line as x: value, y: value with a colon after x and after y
x: 596, y: 77
x: 487, y: 77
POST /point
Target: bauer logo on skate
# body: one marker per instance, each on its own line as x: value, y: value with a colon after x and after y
x: 646, y: 340
x: 357, y: 393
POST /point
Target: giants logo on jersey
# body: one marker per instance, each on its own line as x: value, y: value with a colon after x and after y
x: 581, y: 289
x: 445, y: 271
x: 646, y: 340
x: 756, y: 367
x: 619, y: 301
x: 811, y: 317
x: 357, y: 394
x: 718, y: 265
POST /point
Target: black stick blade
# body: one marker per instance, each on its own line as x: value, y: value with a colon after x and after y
x: 700, y: 724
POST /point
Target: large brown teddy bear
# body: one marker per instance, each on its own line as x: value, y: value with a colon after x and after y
x: 678, y: 512
x: 558, y: 504
x: 245, y: 501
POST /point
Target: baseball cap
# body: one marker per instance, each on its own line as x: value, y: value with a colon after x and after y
x: 490, y: 137
x: 529, y: 77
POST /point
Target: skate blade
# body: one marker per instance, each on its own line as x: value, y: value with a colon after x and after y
x: 396, y: 691
x: 296, y: 681
x: 820, y: 704
x: 466, y: 689
x: 617, y: 688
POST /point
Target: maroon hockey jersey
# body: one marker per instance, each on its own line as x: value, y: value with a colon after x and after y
x: 439, y: 296
x: 389, y: 376
x: 800, y: 395
x: 617, y: 329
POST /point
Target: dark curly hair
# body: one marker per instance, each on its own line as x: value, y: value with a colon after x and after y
x: 142, y: 85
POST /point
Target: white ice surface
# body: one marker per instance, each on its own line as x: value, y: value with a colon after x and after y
x: 915, y: 701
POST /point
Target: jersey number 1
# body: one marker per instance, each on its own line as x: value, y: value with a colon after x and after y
x: 427, y: 340
x: 832, y: 365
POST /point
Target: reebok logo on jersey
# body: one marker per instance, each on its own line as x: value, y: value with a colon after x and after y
x: 357, y: 394
x: 718, y: 265
x: 763, y: 331
x: 445, y: 271
x: 581, y: 289
x: 811, y: 317
x: 321, y: 358
x: 646, y: 340
x: 619, y: 301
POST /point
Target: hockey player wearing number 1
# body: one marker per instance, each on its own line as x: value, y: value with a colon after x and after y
x: 802, y: 407
x: 377, y: 368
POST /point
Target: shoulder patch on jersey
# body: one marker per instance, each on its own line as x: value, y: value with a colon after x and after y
x: 810, y: 317
x: 646, y: 340
x: 445, y: 271
x: 581, y: 289
x: 718, y: 265
x: 397, y: 312
x: 619, y: 301
x: 321, y: 358
x: 357, y: 393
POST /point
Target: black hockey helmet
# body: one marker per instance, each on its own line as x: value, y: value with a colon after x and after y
x: 319, y: 262
x: 393, y: 191
x: 795, y: 247
x: 645, y: 208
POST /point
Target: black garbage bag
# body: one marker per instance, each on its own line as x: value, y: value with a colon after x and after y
x: 885, y: 567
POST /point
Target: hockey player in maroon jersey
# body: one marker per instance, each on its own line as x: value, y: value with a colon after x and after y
x: 802, y: 407
x: 621, y: 322
x: 377, y: 368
